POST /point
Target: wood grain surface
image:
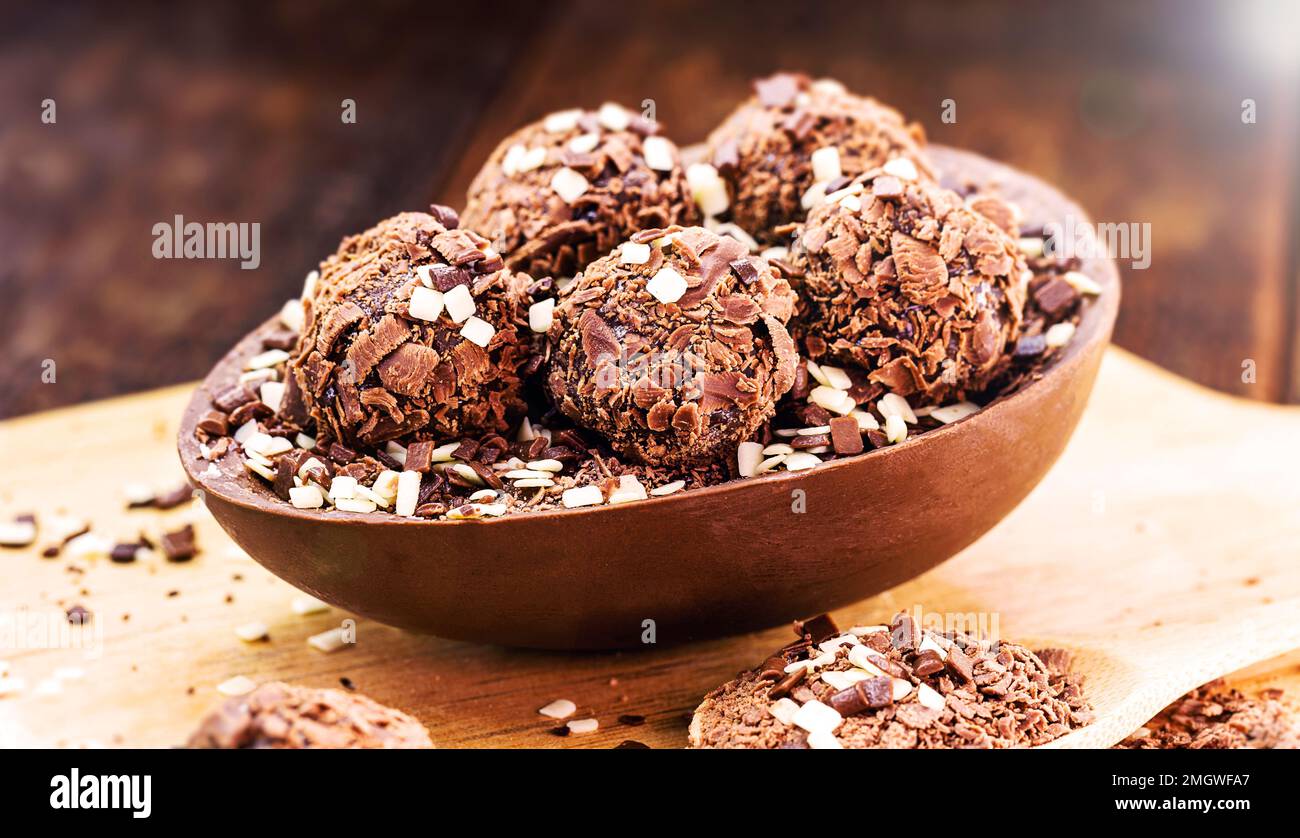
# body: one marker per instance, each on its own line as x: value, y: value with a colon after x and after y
x: 231, y: 112
x: 1171, y: 503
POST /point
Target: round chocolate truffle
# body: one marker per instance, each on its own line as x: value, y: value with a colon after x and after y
x: 563, y: 191
x: 279, y: 715
x: 412, y: 332
x: 903, y: 279
x: 674, y: 346
x: 796, y: 139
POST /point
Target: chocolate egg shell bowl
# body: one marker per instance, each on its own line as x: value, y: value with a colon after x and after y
x: 718, y: 555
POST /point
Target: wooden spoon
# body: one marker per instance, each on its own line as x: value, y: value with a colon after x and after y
x: 707, y: 562
x: 1133, y: 675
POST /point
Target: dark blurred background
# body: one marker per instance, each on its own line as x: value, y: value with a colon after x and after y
x: 232, y: 113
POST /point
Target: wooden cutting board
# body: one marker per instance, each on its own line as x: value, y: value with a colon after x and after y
x: 1171, y: 502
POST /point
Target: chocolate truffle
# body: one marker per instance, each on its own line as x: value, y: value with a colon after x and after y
x: 563, y: 191
x: 777, y: 152
x: 674, y: 346
x: 902, y: 279
x: 412, y: 332
x: 278, y: 715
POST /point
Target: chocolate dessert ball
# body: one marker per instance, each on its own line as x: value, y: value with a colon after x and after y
x: 559, y: 193
x: 904, y: 280
x: 779, y: 150
x: 674, y: 346
x: 412, y: 331
x: 278, y: 715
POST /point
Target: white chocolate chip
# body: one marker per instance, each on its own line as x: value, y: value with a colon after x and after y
x: 659, y: 154
x: 510, y: 163
x: 561, y: 121
x: 459, y: 303
x: 343, y: 487
x: 707, y: 188
x: 1032, y: 247
x: 801, y: 461
x: 1059, y: 335
x: 633, y: 253
x: 1082, y: 283
x: 478, y: 331
x: 902, y: 688
x: 533, y: 159
x: 239, y: 685
x: 928, y: 644
x: 426, y: 303
x: 770, y: 463
x: 928, y: 696
x: 614, y: 117
x: 815, y: 716
x: 442, y: 454
x: 783, y: 711
x: 569, y: 185
x: 548, y: 464
x: 666, y: 286
x: 866, y: 422
x: 629, y: 489
x: 19, y: 533
x: 895, y: 428
x: 951, y: 413
x: 582, y: 496
x: 408, y: 493
x: 892, y: 404
x: 561, y: 708
x: 814, y: 196
x: 901, y: 168
x: 292, y: 315
x: 826, y: 163
x: 580, y: 726
x: 304, y: 605
x: 272, y: 394
x: 355, y: 504
x: 584, y: 143
x: 252, y: 632
x: 328, y: 641
x: 309, y: 284
x: 306, y: 497
x: 748, y: 456
x: 836, y: 377
x: 267, y: 359
x: 824, y: 740
x: 668, y: 488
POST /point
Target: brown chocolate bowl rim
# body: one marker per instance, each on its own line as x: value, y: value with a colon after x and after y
x: 1096, y: 320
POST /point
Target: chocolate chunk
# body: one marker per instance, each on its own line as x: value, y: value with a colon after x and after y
x: 631, y: 745
x: 961, y: 666
x: 631, y: 719
x: 819, y: 629
x: 341, y: 454
x: 1031, y: 346
x: 870, y: 694
x: 783, y: 687
x: 214, y: 422
x: 179, y: 545
x: 846, y: 438
x: 445, y: 215
x: 123, y: 553
x: 284, y: 475
x: 772, y: 669
x: 1055, y: 296
x: 927, y: 663
x: 233, y: 397
x: 419, y: 456
x: 174, y: 497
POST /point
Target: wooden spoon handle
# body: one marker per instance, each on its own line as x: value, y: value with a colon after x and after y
x: 1132, y: 677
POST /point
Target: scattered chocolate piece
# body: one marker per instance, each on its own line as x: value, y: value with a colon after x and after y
x: 631, y: 745
x: 817, y: 629
x: 79, y: 615
x: 631, y: 719
x: 179, y: 545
